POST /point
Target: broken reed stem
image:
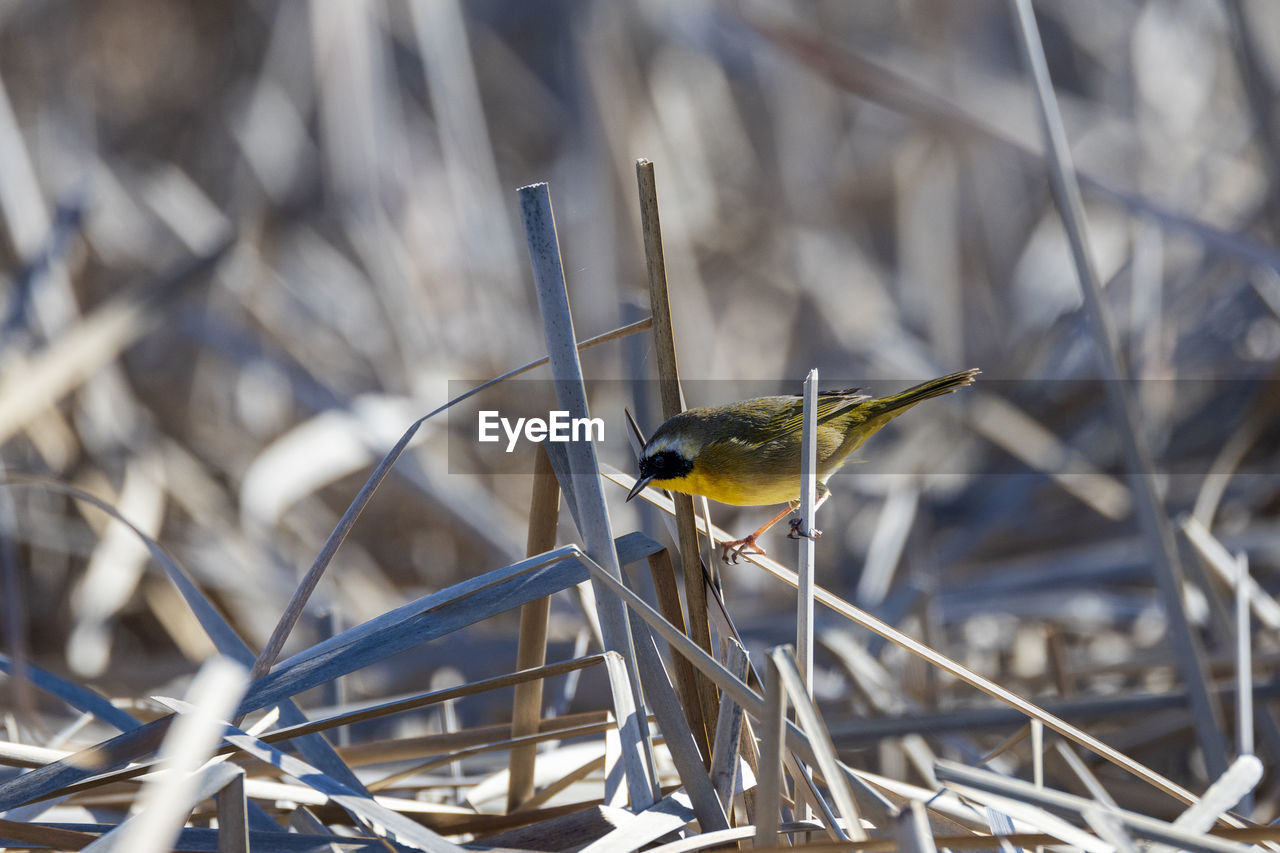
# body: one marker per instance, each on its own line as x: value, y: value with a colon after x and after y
x: 686, y: 677
x: 663, y: 332
x: 531, y: 650
x: 571, y: 395
x: 695, y: 580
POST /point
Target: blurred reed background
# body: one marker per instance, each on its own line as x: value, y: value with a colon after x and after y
x: 244, y: 245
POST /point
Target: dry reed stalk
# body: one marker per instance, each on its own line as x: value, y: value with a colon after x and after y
x: 531, y: 646
x: 593, y: 519
x: 695, y: 580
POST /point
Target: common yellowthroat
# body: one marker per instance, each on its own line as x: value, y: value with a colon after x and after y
x: 748, y: 453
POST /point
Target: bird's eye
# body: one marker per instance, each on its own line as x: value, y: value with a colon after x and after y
x: 659, y: 462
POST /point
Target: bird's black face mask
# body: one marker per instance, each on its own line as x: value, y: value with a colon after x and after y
x: 666, y: 465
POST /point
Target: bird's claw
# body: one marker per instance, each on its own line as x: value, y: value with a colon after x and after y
x: 798, y: 531
x: 732, y: 552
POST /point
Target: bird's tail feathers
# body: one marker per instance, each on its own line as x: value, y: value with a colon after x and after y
x: 895, y: 404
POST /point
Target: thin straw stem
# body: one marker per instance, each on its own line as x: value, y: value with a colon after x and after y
x: 808, y: 498
x: 1244, y: 660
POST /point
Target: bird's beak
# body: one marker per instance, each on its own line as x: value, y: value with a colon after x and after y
x: 639, y: 487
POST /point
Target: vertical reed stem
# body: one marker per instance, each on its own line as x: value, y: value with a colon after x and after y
x: 584, y: 469
x: 808, y: 499
x: 1244, y: 660
x: 526, y: 712
x: 695, y: 580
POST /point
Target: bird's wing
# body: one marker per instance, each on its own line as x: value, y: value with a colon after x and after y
x: 830, y: 404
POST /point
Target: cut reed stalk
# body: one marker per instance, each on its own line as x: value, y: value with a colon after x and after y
x: 695, y: 579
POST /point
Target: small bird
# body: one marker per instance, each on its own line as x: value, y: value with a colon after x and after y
x: 748, y: 453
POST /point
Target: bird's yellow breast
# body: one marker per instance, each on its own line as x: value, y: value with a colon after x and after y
x: 749, y: 491
x: 742, y: 474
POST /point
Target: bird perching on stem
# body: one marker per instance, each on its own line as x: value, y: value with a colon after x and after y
x: 748, y: 453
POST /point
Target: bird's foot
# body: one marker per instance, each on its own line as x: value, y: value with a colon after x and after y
x: 732, y: 551
x: 798, y: 530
